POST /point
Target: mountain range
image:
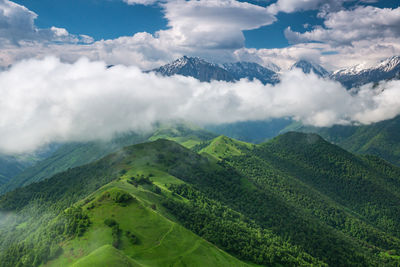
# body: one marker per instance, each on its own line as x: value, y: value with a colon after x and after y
x: 359, y: 75
x: 350, y: 77
x: 206, y: 71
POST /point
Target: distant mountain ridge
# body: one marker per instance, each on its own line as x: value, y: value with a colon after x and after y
x: 359, y: 75
x: 205, y: 71
x: 308, y: 67
x: 251, y: 71
x: 196, y: 68
x: 349, y: 77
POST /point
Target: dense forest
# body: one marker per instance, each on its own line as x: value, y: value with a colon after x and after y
x: 296, y: 200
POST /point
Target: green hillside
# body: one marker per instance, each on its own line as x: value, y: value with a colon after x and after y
x: 77, y: 154
x: 106, y: 256
x: 142, y: 234
x: 296, y: 200
x: 381, y: 139
x: 69, y: 156
x: 131, y: 188
x: 357, y: 197
x: 9, y: 167
x: 184, y: 134
x: 223, y: 146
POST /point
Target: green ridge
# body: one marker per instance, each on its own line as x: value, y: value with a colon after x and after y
x: 223, y: 146
x: 295, y: 200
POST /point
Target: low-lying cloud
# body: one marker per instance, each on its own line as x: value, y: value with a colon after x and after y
x: 45, y: 101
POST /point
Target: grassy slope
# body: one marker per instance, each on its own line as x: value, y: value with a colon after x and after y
x: 223, y: 146
x: 161, y: 159
x: 162, y: 242
x: 106, y: 256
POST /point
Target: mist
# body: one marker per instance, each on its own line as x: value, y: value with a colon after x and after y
x: 46, y: 101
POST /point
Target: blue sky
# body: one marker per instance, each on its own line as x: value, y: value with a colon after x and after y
x: 109, y: 19
x: 101, y: 19
x: 279, y: 31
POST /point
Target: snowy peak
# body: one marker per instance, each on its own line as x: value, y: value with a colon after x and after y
x: 362, y: 74
x: 351, y: 70
x: 386, y: 65
x: 196, y: 68
x: 251, y: 71
x: 308, y: 67
x: 206, y: 72
x: 389, y: 64
x: 185, y: 61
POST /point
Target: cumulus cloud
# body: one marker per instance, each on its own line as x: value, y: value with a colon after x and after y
x: 17, y: 27
x: 45, y: 101
x: 205, y: 28
x: 16, y: 22
x: 365, y: 52
x: 348, y: 26
x: 283, y: 57
x: 289, y: 6
x: 140, y: 2
x: 212, y: 24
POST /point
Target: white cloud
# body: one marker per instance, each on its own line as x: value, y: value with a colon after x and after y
x: 45, y: 101
x: 209, y: 24
x: 140, y: 2
x: 16, y: 22
x: 348, y: 26
x: 332, y: 58
x: 59, y: 31
x: 283, y: 57
x: 17, y: 27
x: 289, y: 6
x: 206, y: 28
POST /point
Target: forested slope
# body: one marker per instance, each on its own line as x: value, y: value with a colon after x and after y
x: 295, y: 200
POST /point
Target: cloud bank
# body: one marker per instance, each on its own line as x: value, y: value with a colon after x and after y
x: 46, y: 101
x: 348, y: 26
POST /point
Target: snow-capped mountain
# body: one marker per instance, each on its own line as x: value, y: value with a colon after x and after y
x: 308, y: 67
x: 359, y: 74
x: 205, y: 71
x: 272, y: 66
x: 197, y: 68
x: 251, y: 71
